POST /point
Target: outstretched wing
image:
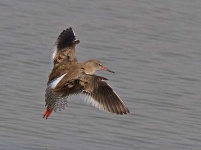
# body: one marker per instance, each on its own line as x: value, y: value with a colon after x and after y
x: 65, y: 47
x: 102, y: 96
x: 63, y: 57
x: 97, y: 92
x: 64, y: 54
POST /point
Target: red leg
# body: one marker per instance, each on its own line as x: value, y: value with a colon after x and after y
x: 47, y: 113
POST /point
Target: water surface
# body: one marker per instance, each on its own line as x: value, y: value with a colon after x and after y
x: 154, y: 48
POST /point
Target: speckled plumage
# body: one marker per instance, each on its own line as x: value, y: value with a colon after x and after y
x: 69, y: 77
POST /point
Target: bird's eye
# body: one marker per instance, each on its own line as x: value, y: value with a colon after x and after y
x: 100, y: 64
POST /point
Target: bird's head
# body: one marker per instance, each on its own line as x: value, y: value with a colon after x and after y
x: 91, y: 66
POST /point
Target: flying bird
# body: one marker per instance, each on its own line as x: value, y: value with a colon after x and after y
x: 70, y: 77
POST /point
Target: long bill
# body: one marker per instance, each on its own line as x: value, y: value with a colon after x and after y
x: 106, y: 69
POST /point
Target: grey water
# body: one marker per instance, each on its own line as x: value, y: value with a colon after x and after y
x: 154, y: 47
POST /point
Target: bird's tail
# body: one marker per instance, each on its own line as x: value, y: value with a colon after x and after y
x: 53, y: 102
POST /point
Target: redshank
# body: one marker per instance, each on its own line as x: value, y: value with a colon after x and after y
x: 79, y: 78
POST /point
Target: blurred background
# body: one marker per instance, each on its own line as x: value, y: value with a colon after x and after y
x: 154, y: 49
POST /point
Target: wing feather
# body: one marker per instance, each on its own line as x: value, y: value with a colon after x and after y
x: 65, y: 47
x: 100, y: 92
